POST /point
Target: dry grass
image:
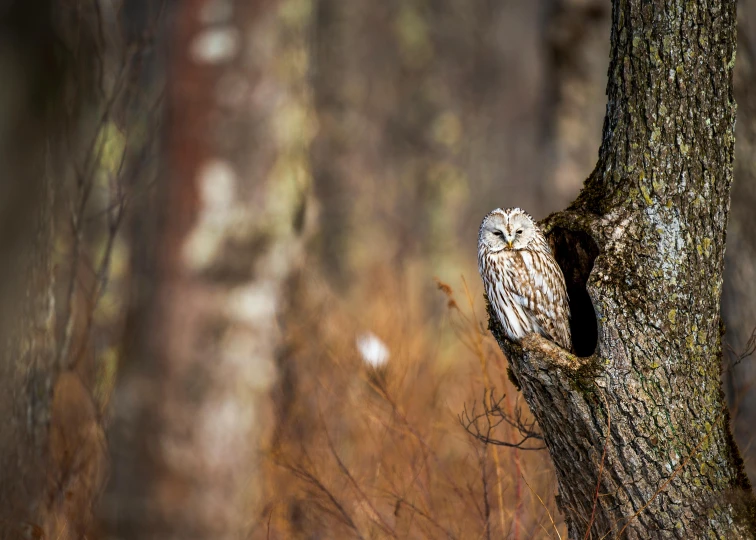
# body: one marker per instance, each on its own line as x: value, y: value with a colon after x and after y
x: 369, y: 452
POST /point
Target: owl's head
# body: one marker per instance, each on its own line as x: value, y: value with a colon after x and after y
x: 510, y: 229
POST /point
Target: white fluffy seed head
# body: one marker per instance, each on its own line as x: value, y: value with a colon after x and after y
x: 373, y: 350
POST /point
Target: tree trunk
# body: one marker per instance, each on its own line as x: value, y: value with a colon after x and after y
x: 193, y: 401
x: 642, y: 250
x: 49, y: 460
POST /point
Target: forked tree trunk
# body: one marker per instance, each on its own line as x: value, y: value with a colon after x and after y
x: 643, y: 244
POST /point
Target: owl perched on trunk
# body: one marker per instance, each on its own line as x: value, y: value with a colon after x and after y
x: 523, y: 281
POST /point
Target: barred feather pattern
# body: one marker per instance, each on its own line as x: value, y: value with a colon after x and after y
x: 523, y: 282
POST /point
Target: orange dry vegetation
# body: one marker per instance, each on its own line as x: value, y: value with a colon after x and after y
x: 371, y: 453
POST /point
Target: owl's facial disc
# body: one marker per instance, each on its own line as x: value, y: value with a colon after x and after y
x: 522, y: 230
x: 507, y: 231
x: 494, y: 232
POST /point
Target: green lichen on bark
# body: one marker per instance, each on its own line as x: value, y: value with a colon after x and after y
x: 656, y: 207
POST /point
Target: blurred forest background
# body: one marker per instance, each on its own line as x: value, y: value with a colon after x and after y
x: 240, y: 294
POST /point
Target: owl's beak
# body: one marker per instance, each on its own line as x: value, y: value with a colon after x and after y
x: 510, y: 244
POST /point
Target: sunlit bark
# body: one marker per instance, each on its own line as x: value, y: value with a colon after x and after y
x: 643, y: 244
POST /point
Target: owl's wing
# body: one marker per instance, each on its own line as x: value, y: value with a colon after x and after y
x: 543, y: 296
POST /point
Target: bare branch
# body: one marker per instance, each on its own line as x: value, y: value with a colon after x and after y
x: 482, y: 425
x: 748, y: 351
x: 312, y: 480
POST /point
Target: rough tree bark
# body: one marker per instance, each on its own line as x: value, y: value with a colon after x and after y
x: 192, y: 403
x: 642, y: 249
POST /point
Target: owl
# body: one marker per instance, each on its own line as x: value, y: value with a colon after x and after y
x: 523, y: 281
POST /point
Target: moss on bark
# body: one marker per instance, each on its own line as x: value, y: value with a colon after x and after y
x: 655, y: 209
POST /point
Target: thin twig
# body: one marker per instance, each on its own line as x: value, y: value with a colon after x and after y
x: 601, y: 467
x: 544, y: 507
x: 403, y: 502
x: 381, y: 389
x: 311, y: 479
x: 486, y: 505
x: 494, y: 415
x: 749, y: 350
x: 343, y: 468
x: 487, y: 382
x: 270, y: 517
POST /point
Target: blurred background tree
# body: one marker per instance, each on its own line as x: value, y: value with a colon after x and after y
x: 738, y: 305
x: 192, y: 399
x: 51, y: 454
x: 401, y: 123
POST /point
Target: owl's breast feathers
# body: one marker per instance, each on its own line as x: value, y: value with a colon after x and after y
x: 528, y: 293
